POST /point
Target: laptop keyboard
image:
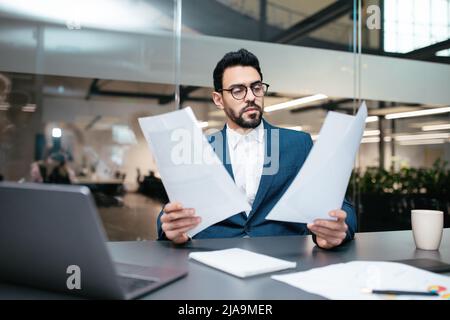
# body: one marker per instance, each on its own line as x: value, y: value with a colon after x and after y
x: 132, y: 284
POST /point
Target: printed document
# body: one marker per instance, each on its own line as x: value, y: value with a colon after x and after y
x: 321, y: 183
x: 190, y: 169
x: 348, y: 280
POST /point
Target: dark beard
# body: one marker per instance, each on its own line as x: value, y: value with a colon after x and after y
x: 241, y: 122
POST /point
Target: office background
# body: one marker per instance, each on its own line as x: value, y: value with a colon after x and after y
x: 75, y: 76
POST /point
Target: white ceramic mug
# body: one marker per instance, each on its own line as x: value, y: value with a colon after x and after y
x: 427, y: 227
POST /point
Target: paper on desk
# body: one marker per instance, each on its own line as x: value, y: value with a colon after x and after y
x: 241, y: 263
x: 320, y: 185
x: 190, y: 169
x: 345, y: 280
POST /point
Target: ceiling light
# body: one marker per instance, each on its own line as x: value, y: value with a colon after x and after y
x: 417, y: 113
x: 436, y: 127
x: 29, y: 108
x: 296, y: 102
x: 423, y: 136
x: 56, y: 133
x: 370, y: 140
x: 375, y: 139
x: 369, y: 133
x: 372, y: 119
x: 422, y: 142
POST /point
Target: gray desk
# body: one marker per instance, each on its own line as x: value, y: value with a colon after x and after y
x: 203, y: 282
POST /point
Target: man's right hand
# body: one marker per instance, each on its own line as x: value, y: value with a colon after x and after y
x: 176, y: 221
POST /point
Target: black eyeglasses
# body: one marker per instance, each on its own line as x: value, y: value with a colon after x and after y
x: 239, y: 92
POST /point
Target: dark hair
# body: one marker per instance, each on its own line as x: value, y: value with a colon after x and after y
x: 239, y: 58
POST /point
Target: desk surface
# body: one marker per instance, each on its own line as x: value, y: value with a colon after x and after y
x: 204, y: 282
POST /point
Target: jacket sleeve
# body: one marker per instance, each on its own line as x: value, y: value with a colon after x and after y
x: 348, y: 207
x: 160, y: 232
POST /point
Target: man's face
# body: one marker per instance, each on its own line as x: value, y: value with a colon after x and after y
x: 247, y: 112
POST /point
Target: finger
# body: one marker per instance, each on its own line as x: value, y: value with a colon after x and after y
x: 328, y: 234
x: 341, y: 215
x: 324, y: 236
x: 172, y: 206
x: 182, y: 238
x: 173, y: 235
x: 332, y: 225
x: 181, y: 223
x: 175, y: 215
x: 327, y: 244
x: 323, y: 243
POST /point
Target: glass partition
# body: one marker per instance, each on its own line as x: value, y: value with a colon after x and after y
x: 405, y: 155
x: 73, y: 83
x: 74, y: 78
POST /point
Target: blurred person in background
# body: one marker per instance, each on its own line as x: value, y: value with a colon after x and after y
x: 61, y: 173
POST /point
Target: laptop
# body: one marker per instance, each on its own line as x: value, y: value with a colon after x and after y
x: 51, y: 238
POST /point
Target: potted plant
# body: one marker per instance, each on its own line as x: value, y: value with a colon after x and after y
x: 385, y: 198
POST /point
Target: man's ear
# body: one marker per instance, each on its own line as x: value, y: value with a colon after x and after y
x: 218, y: 100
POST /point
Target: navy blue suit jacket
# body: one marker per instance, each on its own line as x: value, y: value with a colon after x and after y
x: 285, y: 152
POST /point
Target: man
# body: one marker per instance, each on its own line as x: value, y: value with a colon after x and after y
x: 246, y: 142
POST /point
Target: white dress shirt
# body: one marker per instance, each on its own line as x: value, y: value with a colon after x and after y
x: 247, y: 159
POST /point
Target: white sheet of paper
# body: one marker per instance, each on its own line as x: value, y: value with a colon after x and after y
x: 320, y: 185
x: 241, y: 263
x: 190, y: 169
x: 345, y: 280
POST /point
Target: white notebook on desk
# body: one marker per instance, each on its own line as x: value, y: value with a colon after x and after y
x: 241, y: 263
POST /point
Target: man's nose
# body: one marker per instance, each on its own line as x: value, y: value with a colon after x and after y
x: 249, y: 96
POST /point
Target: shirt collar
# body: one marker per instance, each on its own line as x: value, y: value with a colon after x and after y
x: 256, y: 134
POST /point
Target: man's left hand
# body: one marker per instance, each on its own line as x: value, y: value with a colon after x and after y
x: 330, y: 233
